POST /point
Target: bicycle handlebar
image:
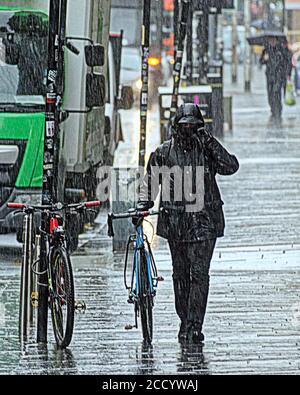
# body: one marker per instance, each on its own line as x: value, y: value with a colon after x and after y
x: 96, y: 203
x: 16, y: 205
x: 54, y: 207
x: 136, y: 213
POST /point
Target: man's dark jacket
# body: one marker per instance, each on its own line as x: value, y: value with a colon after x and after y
x: 279, y: 65
x: 174, y: 222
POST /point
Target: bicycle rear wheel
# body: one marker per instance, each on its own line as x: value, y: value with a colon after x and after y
x: 62, y: 301
x: 146, y: 300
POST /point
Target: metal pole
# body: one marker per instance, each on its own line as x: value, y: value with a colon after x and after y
x: 24, y: 288
x: 145, y: 75
x: 247, y: 62
x: 189, y: 47
x: 29, y: 269
x: 213, y: 36
x: 175, y: 25
x: 283, y: 16
x: 203, y: 38
x: 159, y: 22
x: 234, y: 64
x: 57, y: 15
x: 179, y: 56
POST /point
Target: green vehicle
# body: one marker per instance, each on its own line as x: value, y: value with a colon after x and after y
x: 84, y: 141
x: 23, y: 62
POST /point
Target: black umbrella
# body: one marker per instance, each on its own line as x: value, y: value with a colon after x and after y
x: 263, y: 37
x: 27, y: 22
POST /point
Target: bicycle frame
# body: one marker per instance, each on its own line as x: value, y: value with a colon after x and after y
x: 140, y: 242
x: 144, y: 277
x: 51, y: 238
x: 28, y: 295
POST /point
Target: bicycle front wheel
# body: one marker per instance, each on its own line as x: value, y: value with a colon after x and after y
x: 146, y: 301
x: 62, y: 301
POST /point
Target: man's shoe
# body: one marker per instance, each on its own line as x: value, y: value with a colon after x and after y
x: 182, y: 335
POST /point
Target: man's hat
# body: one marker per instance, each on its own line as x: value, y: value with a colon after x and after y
x: 189, y: 113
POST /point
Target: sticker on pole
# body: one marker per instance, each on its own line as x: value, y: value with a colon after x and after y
x: 144, y: 99
x: 50, y: 128
x: 48, y: 158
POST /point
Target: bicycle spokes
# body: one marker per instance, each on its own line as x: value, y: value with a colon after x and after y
x: 60, y: 296
x: 60, y: 285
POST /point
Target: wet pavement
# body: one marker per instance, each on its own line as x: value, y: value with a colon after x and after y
x: 253, y: 319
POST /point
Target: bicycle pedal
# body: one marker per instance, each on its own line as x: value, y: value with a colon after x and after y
x: 130, y: 301
x: 80, y: 305
x: 129, y: 327
x: 160, y: 279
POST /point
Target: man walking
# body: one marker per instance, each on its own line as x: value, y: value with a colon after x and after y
x: 278, y: 60
x: 191, y: 229
x: 28, y: 51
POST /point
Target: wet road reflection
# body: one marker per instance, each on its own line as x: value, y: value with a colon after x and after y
x: 145, y: 359
x: 192, y: 360
x: 45, y: 359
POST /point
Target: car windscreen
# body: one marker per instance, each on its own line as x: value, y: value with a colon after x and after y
x: 23, y: 56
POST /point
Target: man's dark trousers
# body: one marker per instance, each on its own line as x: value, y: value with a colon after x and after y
x: 275, y: 91
x: 191, y: 264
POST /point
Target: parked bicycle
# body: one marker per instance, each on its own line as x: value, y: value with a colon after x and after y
x: 144, y: 275
x: 59, y: 269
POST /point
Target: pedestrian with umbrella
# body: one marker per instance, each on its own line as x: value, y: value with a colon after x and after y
x: 277, y: 58
x: 26, y: 47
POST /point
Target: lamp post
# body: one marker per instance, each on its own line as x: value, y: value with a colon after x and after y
x: 234, y: 63
x: 56, y: 37
x: 283, y: 16
x: 144, y: 97
x: 247, y: 61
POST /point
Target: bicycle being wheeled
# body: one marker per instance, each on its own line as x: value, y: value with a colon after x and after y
x: 144, y: 276
x: 60, y: 282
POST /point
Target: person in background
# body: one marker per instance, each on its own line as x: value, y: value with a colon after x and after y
x: 278, y: 60
x: 27, y: 49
